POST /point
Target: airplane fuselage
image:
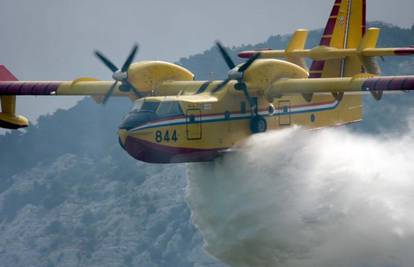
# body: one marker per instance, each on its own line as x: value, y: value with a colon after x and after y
x: 196, y: 127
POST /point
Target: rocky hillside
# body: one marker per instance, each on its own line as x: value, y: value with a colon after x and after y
x: 70, y: 196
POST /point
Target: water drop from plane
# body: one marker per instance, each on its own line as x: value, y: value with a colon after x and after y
x: 297, y: 198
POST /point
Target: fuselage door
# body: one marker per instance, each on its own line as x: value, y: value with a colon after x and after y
x: 193, y: 122
x: 284, y: 112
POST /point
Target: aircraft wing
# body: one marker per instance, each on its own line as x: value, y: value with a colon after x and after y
x: 83, y: 86
x: 353, y: 85
x: 10, y: 88
x: 326, y: 53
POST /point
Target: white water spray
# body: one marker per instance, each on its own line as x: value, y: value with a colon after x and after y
x: 296, y: 198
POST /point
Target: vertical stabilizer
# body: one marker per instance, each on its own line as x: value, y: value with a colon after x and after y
x: 297, y: 42
x: 370, y: 40
x: 345, y: 27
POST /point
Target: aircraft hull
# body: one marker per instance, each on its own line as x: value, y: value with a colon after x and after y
x: 155, y: 153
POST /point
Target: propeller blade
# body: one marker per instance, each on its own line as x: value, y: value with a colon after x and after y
x: 130, y: 58
x: 137, y: 93
x: 249, y: 62
x: 109, y: 93
x: 131, y: 87
x: 225, y: 55
x: 221, y: 85
x: 106, y: 61
x: 243, y: 87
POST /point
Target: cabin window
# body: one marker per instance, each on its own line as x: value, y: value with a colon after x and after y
x: 164, y: 108
x: 176, y: 109
x: 169, y: 108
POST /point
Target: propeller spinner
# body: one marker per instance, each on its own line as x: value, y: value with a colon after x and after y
x: 119, y: 75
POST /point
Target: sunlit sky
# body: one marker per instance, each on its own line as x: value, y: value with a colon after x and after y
x: 54, y: 40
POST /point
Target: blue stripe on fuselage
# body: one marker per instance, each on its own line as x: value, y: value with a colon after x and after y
x: 248, y: 116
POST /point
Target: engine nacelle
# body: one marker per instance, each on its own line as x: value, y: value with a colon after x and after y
x: 146, y: 76
x: 263, y: 73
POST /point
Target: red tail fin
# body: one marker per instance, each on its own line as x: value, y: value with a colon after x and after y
x: 6, y: 75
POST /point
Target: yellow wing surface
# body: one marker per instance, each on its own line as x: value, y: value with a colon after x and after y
x: 355, y: 85
x: 144, y: 77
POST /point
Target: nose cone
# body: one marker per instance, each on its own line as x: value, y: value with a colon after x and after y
x: 134, y: 146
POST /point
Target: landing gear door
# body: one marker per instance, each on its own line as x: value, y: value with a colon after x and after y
x: 193, y: 123
x: 284, y: 113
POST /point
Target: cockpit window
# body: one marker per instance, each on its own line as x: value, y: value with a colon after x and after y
x: 141, y: 105
x: 169, y: 108
x: 149, y: 106
x: 137, y: 105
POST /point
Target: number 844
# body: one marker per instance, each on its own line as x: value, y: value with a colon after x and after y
x: 166, y: 136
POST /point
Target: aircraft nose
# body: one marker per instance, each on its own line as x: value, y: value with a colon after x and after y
x: 122, y: 136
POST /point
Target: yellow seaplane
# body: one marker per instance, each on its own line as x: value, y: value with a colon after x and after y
x: 175, y: 118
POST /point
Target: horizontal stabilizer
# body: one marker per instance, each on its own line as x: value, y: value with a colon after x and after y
x: 367, y: 48
x: 326, y: 53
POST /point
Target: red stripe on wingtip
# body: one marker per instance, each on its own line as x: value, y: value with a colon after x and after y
x: 408, y: 84
x: 28, y: 88
x: 396, y: 83
x: 404, y: 51
x: 391, y: 83
x: 382, y: 84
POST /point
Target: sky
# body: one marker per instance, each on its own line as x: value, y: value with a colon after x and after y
x: 54, y: 40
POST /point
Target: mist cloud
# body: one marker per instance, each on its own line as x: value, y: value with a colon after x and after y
x: 309, y: 198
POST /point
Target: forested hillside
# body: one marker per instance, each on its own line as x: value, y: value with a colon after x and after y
x: 70, y: 196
